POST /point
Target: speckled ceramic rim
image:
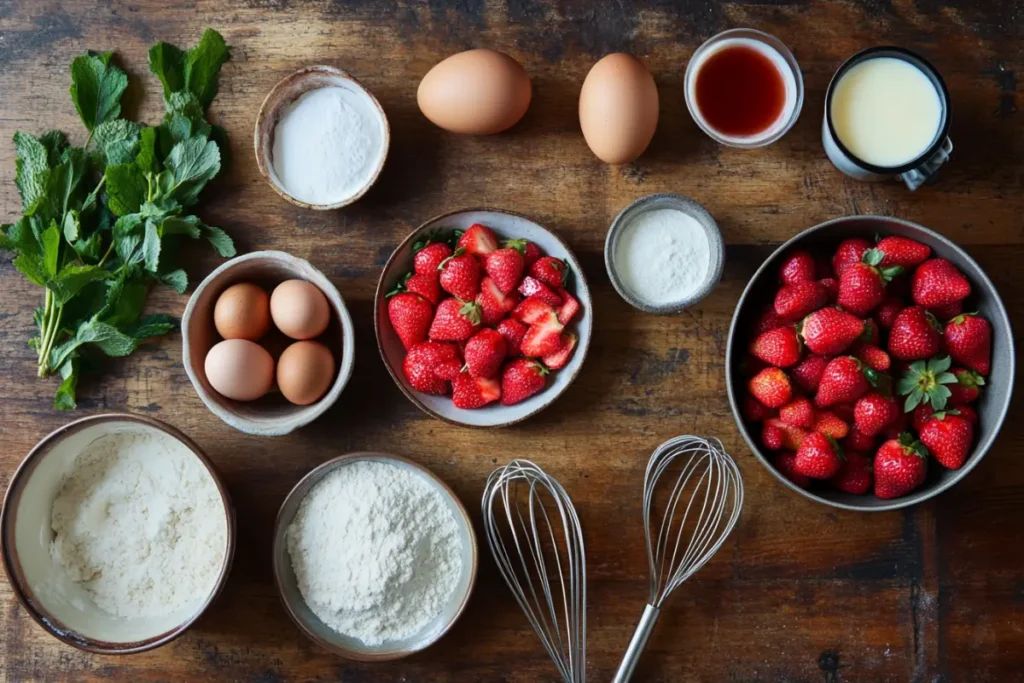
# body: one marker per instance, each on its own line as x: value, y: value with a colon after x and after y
x: 735, y: 336
x: 665, y: 201
x: 382, y: 291
x: 285, y: 92
x: 300, y: 491
x: 12, y: 564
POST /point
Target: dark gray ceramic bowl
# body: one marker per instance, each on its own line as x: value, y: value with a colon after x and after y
x: 992, y: 406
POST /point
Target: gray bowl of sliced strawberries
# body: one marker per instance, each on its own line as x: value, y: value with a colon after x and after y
x: 483, y: 317
x: 870, y: 363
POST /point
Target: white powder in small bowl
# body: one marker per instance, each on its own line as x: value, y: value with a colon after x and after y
x: 662, y: 256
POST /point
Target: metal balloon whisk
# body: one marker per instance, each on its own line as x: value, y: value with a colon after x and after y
x: 535, y: 537
x: 702, y: 507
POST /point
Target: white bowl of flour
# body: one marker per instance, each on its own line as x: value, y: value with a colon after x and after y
x: 117, y: 533
x: 375, y: 557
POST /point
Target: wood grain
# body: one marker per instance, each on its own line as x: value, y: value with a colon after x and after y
x: 801, y: 592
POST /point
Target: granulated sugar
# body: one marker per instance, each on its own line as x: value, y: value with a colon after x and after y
x: 663, y: 256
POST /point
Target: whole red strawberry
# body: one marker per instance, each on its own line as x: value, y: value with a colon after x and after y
x: 505, y: 267
x: 830, y: 424
x: 427, y: 366
x: 792, y: 436
x: 494, y: 303
x: 768, y: 320
x: 772, y: 437
x: 521, y: 379
x: 478, y: 240
x: 888, y: 310
x: 902, y: 251
x: 969, y: 342
x: 830, y: 331
x: 799, y: 412
x: 429, y: 257
x: 410, y: 316
x: 914, y: 335
x: 484, y: 353
x: 785, y: 463
x: 798, y: 299
x: 938, y: 282
x: 807, y: 373
x: 513, y: 331
x: 857, y: 440
x: 550, y: 270
x: 948, y: 437
x: 849, y: 252
x: 426, y: 286
x: 872, y: 356
x: 926, y: 382
x: 862, y: 285
x: 469, y: 392
x: 799, y: 266
x: 921, y: 414
x: 845, y: 379
x: 854, y: 475
x: 779, y: 347
x: 460, y: 275
x: 455, y: 320
x: 947, y: 312
x: 543, y: 338
x: 966, y: 389
x: 968, y: 413
x: 530, y: 251
x: 819, y: 457
x: 753, y: 410
x: 874, y: 412
x: 901, y: 466
x: 771, y: 387
x: 558, y: 359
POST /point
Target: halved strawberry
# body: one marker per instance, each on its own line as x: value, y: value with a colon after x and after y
x: 494, y: 304
x: 559, y: 358
x: 531, y: 286
x: 513, y: 331
x: 478, y: 240
x: 469, y: 392
x: 570, y: 307
x: 543, y: 338
x: 531, y: 309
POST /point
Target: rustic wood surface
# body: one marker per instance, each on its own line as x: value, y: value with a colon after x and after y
x: 801, y: 592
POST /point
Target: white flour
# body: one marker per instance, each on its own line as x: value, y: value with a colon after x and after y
x: 663, y: 256
x: 139, y: 524
x: 376, y: 551
x: 327, y: 144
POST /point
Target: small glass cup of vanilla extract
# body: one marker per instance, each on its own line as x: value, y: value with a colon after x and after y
x: 744, y: 88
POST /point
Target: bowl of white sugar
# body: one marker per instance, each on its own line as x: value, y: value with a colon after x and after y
x: 374, y: 556
x: 321, y: 138
x: 117, y: 533
x: 664, y: 253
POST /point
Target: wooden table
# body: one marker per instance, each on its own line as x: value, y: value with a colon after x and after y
x: 801, y: 592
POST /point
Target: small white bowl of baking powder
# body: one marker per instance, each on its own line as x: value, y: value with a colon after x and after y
x: 321, y: 138
x: 664, y: 253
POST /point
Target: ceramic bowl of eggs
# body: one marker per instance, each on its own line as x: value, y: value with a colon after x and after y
x: 268, y: 343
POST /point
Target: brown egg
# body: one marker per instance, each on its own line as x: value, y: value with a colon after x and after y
x: 304, y: 372
x: 618, y: 108
x: 477, y: 92
x: 239, y: 369
x: 242, y: 311
x: 299, y: 309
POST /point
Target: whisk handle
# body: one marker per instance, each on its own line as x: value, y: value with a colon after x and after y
x: 637, y: 644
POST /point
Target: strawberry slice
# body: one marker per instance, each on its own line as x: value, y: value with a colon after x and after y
x: 494, y: 304
x: 570, y: 307
x: 478, y: 240
x: 531, y: 310
x: 531, y: 286
x: 559, y: 358
x: 544, y: 337
x: 469, y: 392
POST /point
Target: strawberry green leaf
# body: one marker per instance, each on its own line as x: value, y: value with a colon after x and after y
x: 872, y: 257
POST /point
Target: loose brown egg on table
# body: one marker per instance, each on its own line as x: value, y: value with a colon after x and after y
x: 304, y: 372
x: 477, y: 92
x: 618, y: 108
x: 299, y: 309
x: 242, y: 311
x: 239, y: 369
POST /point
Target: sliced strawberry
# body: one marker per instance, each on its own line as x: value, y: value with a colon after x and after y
x: 543, y: 338
x: 570, y: 307
x: 494, y: 304
x: 531, y: 286
x: 559, y: 358
x: 532, y: 309
x: 478, y: 240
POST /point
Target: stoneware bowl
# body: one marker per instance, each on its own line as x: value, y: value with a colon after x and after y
x: 326, y: 637
x: 289, y: 89
x: 992, y: 406
x: 664, y: 201
x: 58, y: 604
x: 271, y: 415
x: 505, y: 225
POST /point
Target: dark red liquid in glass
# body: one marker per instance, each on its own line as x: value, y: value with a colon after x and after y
x: 740, y: 91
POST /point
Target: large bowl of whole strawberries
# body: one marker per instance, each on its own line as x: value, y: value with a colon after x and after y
x: 870, y: 363
x: 483, y: 317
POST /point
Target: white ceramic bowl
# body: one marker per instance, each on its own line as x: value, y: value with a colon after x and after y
x: 506, y: 225
x: 324, y: 635
x: 59, y: 605
x: 271, y: 415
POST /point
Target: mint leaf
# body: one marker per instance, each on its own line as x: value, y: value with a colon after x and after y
x: 182, y: 225
x: 63, y: 185
x: 152, y: 326
x: 55, y: 143
x: 124, y: 303
x: 90, y: 249
x: 72, y: 226
x: 31, y: 266
x: 176, y: 280
x: 146, y: 159
x: 220, y: 240
x: 31, y: 170
x: 151, y: 247
x: 117, y: 141
x: 18, y: 236
x: 72, y: 278
x: 50, y: 240
x: 96, y: 88
x: 65, y: 397
x: 126, y: 188
x: 202, y: 65
x: 107, y: 338
x: 193, y: 163
x: 168, y: 63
